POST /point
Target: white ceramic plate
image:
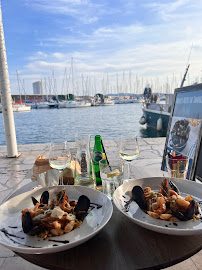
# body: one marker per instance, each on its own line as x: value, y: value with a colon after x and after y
x: 10, y: 216
x: 121, y: 195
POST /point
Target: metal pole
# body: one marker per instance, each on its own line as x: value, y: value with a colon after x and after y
x: 6, y: 99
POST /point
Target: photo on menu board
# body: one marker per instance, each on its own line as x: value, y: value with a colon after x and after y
x: 184, y: 132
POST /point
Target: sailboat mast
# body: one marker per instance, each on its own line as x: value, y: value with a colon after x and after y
x: 117, y: 84
x: 24, y: 89
x: 63, y: 82
x: 185, y: 74
x: 18, y: 84
x: 72, y: 77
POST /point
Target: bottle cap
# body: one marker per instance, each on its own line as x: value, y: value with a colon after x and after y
x: 97, y: 137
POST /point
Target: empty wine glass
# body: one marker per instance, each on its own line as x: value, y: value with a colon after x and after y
x: 59, y: 157
x: 129, y: 150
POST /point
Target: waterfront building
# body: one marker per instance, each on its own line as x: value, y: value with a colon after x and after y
x: 37, y: 88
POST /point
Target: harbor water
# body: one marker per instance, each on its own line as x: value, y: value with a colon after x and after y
x: 43, y: 125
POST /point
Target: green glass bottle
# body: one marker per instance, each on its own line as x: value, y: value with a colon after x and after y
x: 97, y: 156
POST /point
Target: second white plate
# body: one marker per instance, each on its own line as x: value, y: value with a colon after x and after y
x: 191, y: 227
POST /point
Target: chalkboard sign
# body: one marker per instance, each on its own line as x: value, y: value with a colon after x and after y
x: 185, y: 128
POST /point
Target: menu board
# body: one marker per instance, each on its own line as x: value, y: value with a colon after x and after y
x: 184, y: 129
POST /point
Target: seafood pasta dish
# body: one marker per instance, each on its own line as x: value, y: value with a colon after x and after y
x: 167, y: 203
x: 54, y: 216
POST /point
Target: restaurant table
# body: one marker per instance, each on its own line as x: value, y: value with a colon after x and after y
x: 121, y: 244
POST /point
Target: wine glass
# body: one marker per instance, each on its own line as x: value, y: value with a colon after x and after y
x: 59, y: 157
x: 129, y: 150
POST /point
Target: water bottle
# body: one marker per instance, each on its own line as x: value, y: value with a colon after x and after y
x: 97, y: 156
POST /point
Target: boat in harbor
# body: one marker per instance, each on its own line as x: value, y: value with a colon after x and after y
x: 156, y: 114
x: 103, y: 101
x: 156, y: 109
x: 78, y: 104
x: 107, y: 102
x: 18, y: 107
x: 126, y: 100
x: 53, y: 105
x: 21, y: 108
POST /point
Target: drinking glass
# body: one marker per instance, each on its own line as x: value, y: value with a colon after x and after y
x: 59, y: 157
x: 177, y: 166
x: 111, y: 175
x: 129, y: 150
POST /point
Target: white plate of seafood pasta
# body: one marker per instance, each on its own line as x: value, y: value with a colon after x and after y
x: 161, y: 205
x: 39, y: 221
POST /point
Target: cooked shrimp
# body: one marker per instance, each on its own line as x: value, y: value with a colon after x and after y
x: 153, y: 214
x: 161, y: 205
x: 182, y: 203
x: 56, y: 225
x: 172, y: 192
x: 65, y: 206
x: 165, y: 216
x: 188, y: 198
x: 148, y: 193
x: 147, y: 189
x: 69, y: 226
x: 36, y: 207
x: 57, y: 232
x: 155, y: 206
x: 172, y: 198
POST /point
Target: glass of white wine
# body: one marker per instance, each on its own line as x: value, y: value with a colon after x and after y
x: 129, y: 150
x: 59, y: 157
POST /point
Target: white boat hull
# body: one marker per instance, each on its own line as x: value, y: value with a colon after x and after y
x: 77, y: 104
x: 21, y: 108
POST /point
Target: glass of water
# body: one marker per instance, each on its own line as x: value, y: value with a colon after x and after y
x: 111, y: 175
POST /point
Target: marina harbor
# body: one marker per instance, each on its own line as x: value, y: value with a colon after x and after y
x: 100, y: 135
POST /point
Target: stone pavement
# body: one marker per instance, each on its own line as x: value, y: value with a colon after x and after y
x: 16, y: 172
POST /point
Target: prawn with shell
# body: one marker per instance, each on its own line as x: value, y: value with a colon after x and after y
x: 166, y: 204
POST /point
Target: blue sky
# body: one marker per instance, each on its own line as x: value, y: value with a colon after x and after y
x: 111, y: 42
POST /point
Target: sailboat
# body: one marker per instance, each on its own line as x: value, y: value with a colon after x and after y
x: 76, y: 103
x: 19, y: 106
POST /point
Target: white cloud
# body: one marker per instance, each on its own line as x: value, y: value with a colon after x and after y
x: 81, y: 10
x: 149, y: 50
x: 175, y: 9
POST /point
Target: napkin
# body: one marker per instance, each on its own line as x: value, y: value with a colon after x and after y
x: 46, y: 176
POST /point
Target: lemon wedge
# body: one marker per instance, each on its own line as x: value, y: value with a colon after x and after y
x: 113, y: 173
